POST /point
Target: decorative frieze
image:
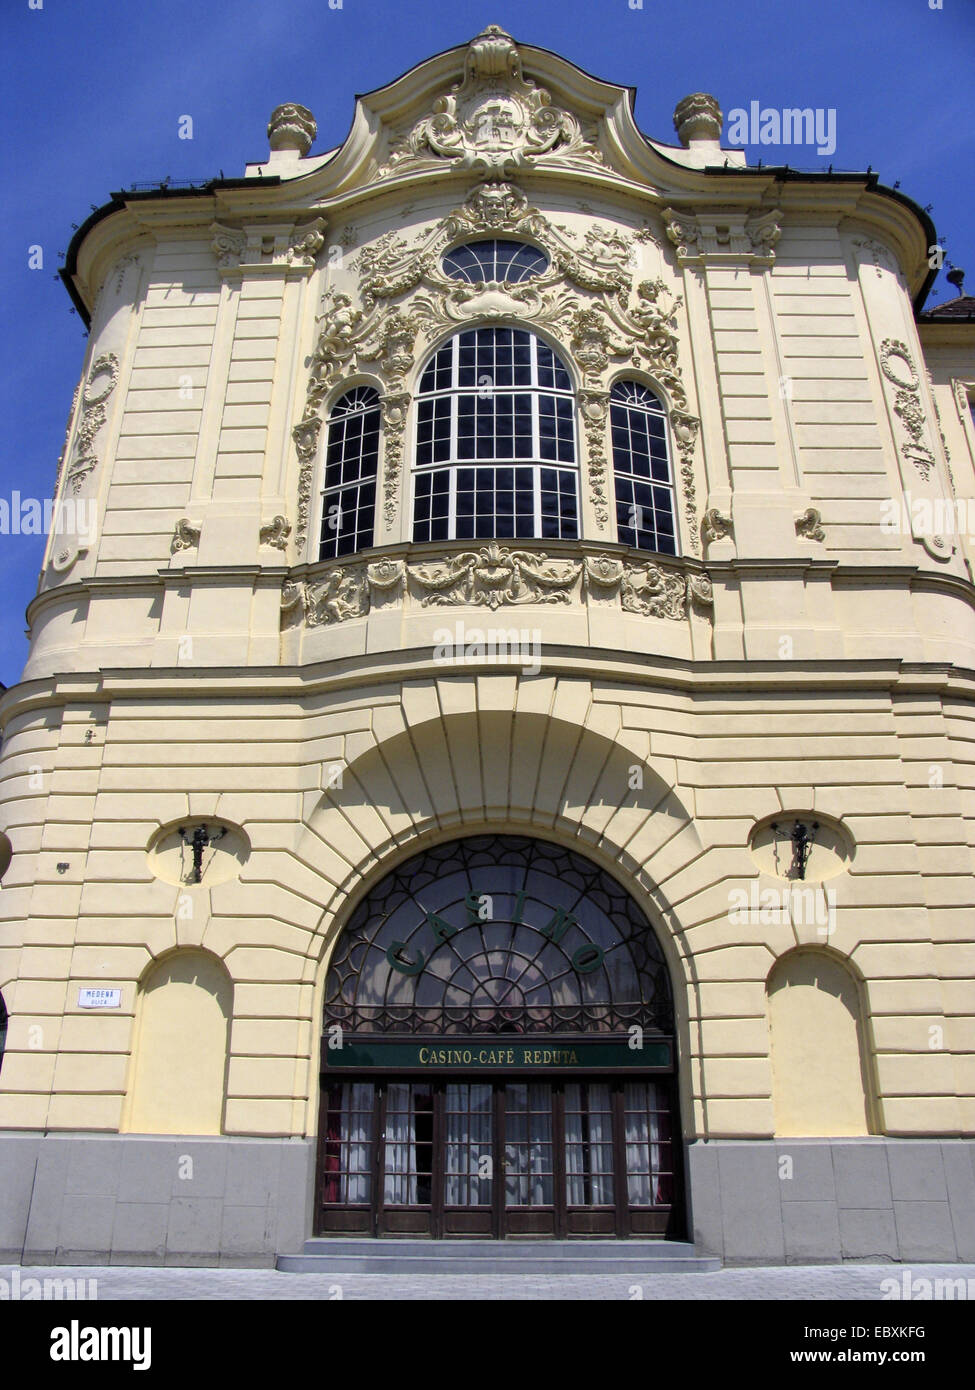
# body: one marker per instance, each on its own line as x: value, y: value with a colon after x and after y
x: 495, y: 576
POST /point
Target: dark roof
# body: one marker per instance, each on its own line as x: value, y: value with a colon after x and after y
x: 962, y: 307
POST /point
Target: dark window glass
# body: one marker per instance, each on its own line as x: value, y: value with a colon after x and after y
x: 495, y: 397
x: 645, y: 501
x: 349, y: 484
x: 494, y: 262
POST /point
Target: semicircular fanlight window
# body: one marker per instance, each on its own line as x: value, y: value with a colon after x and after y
x: 494, y: 262
x: 498, y: 934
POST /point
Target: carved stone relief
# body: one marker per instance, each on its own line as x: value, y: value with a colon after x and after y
x: 715, y: 526
x: 101, y: 382
x: 898, y: 367
x: 808, y: 525
x: 276, y: 533
x: 495, y: 121
x: 494, y: 576
x: 186, y: 536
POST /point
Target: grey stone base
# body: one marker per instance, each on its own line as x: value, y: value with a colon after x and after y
x: 817, y: 1201
x: 156, y: 1200
x: 152, y: 1200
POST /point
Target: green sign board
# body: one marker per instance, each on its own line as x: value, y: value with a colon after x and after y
x: 465, y: 1054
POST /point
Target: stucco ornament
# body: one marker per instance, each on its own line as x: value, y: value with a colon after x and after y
x: 495, y: 121
x: 715, y: 526
x: 291, y: 127
x: 186, y: 536
x: 897, y: 365
x: 585, y: 297
x: 101, y: 382
x: 495, y: 576
x: 276, y: 533
x: 808, y: 524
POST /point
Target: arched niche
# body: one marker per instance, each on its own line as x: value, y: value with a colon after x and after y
x: 179, y: 1064
x: 820, y: 1066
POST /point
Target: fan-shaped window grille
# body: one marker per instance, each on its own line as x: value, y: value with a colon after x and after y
x: 645, y: 505
x: 487, y: 262
x: 351, y: 460
x: 498, y: 934
x: 496, y: 443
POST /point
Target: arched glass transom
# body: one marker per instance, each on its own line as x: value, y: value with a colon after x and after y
x: 498, y: 934
x: 645, y: 504
x: 495, y: 442
x: 487, y: 262
x: 349, y: 485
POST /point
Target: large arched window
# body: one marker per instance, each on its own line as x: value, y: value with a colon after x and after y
x: 495, y: 443
x: 646, y: 515
x: 351, y: 459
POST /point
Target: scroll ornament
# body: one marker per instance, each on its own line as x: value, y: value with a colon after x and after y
x: 494, y: 576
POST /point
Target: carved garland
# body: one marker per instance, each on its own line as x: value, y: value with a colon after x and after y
x: 493, y: 577
x: 907, y: 402
x: 586, y: 297
x: 101, y: 382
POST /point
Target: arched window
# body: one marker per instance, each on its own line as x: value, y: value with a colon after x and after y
x: 645, y: 507
x: 495, y: 444
x: 351, y: 460
x: 494, y: 262
x: 3, y: 1029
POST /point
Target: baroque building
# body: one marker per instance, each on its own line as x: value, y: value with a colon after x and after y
x: 494, y: 757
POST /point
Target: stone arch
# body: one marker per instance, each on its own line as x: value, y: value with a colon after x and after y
x: 178, y: 1069
x: 821, y: 1082
x: 548, y: 776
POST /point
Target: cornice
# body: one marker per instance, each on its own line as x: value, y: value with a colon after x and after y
x: 413, y: 665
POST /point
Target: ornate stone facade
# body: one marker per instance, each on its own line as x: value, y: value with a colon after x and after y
x: 222, y: 742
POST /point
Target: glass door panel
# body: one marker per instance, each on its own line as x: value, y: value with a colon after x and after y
x: 589, y: 1144
x: 529, y: 1171
x: 649, y: 1155
x: 469, y: 1158
x: 408, y: 1151
x: 347, y: 1156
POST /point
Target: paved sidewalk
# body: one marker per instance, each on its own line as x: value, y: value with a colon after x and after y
x: 828, y: 1282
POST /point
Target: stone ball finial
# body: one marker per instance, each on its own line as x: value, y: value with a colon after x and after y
x: 698, y: 117
x: 291, y: 127
x: 956, y: 277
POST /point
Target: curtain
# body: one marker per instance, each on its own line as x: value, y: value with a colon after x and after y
x: 588, y: 1144
x: 400, y: 1165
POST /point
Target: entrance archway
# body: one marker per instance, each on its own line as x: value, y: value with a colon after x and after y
x: 498, y: 1053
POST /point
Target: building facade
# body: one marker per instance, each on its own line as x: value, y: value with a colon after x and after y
x: 495, y: 755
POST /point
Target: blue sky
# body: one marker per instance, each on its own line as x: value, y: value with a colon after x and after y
x: 92, y: 94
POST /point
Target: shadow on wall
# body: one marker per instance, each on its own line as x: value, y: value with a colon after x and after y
x: 821, y: 1082
x: 3, y: 1029
x: 178, y: 1074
